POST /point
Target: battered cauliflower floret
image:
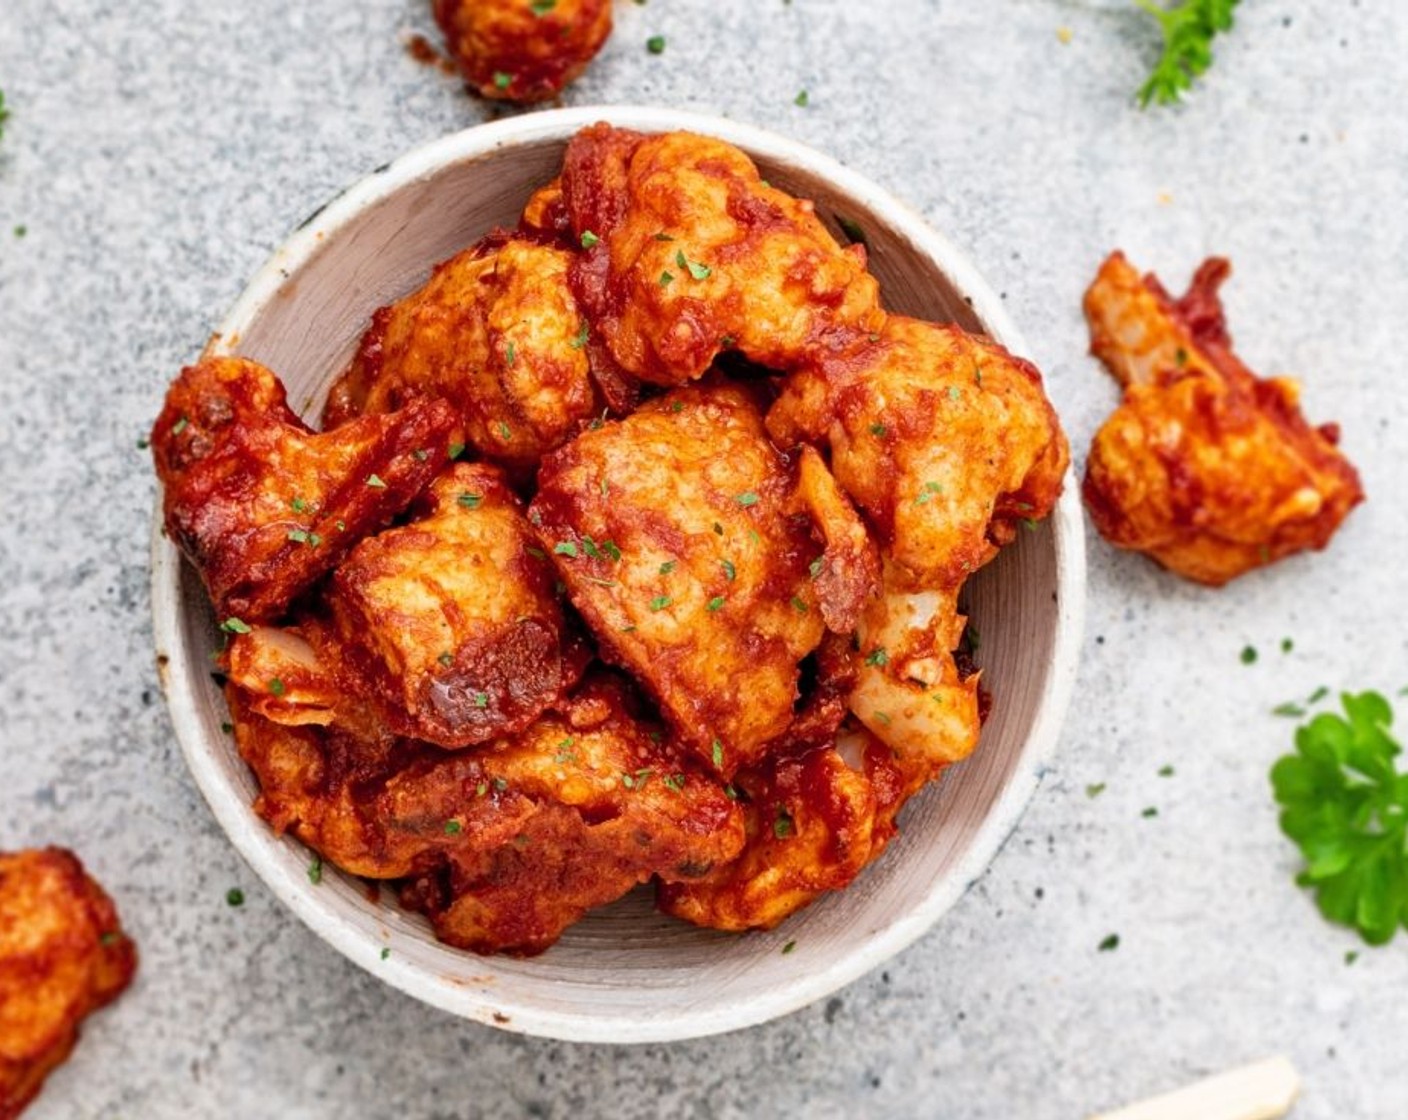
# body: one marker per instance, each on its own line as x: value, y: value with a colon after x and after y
x: 813, y: 824
x: 262, y: 505
x: 1205, y: 467
x: 691, y: 254
x: 945, y: 441
x: 62, y: 955
x: 702, y: 564
x: 523, y: 50
x: 497, y: 333
x: 507, y: 845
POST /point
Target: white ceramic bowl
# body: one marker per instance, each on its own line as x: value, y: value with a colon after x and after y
x: 626, y: 973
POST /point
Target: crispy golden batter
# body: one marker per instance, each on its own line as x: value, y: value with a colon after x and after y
x: 697, y: 560
x: 1205, y: 467
x: 944, y: 440
x: 523, y: 50
x: 62, y: 955
x: 909, y: 691
x: 497, y: 333
x: 813, y: 823
x: 696, y: 256
x: 262, y: 505
x: 451, y: 621
x: 579, y: 807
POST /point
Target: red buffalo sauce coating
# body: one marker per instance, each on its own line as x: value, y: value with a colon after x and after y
x: 262, y: 505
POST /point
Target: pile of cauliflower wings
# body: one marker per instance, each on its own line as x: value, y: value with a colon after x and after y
x: 629, y: 551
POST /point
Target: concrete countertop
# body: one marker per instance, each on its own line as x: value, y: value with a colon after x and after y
x: 158, y: 152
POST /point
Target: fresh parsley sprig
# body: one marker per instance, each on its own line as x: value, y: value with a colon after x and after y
x: 1345, y: 804
x: 1188, y: 31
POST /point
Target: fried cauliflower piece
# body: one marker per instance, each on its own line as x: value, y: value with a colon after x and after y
x: 909, y: 691
x: 944, y: 440
x: 1205, y: 467
x: 695, y: 255
x: 262, y: 505
x: 813, y: 824
x: 62, y: 955
x: 451, y: 621
x: 702, y: 564
x: 509, y: 844
x: 523, y: 50
x: 445, y: 629
x: 497, y: 332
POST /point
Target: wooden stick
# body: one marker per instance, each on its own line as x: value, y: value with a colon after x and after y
x: 1261, y: 1091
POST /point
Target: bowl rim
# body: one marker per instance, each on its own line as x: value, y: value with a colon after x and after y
x: 258, y: 844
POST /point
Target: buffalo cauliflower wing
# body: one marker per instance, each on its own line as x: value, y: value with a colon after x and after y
x: 263, y: 506
x: 813, y: 823
x: 701, y: 563
x: 62, y: 955
x: 507, y: 845
x: 1204, y: 466
x: 944, y: 440
x: 689, y: 253
x: 497, y: 333
x: 523, y: 50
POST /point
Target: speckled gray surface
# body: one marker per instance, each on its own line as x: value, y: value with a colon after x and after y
x: 159, y: 151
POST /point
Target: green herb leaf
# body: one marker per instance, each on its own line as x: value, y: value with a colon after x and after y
x: 660, y: 602
x: 276, y: 687
x: 470, y: 501
x: 233, y: 625
x: 234, y: 897
x: 502, y: 80
x: 730, y: 572
x: 374, y: 481
x: 1248, y: 655
x: 718, y: 753
x: 453, y: 828
x: 878, y: 657
x: 1110, y: 944
x: 583, y: 333
x: 747, y: 498
x: 315, y: 871
x: 697, y: 270
x: 782, y: 825
x: 455, y: 451
x: 716, y: 603
x: 565, y: 548
x: 1188, y: 31
x: 1345, y: 804
x: 655, y: 44
x: 543, y: 7
x: 589, y: 239
x: 802, y: 100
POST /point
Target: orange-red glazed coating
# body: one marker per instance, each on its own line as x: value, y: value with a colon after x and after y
x: 262, y: 505
x: 690, y: 254
x: 1204, y: 466
x: 523, y: 50
x: 63, y: 955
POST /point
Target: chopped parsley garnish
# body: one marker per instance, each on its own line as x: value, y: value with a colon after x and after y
x: 697, y: 270
x: 303, y: 536
x: 446, y: 659
x: 817, y: 566
x: 315, y: 870
x: 582, y: 334
x: 660, y: 602
x: 233, y: 625
x: 1095, y: 790
x: 234, y: 897
x: 798, y: 605
x: 1110, y: 944
x: 655, y: 44
x: 510, y: 355
x: 747, y: 498
x: 782, y: 823
x: 481, y: 699
x: 565, y: 548
x: 716, y: 603
x: 375, y: 482
x: 455, y: 451
x: 609, y: 547
x: 675, y: 782
x: 536, y: 553
x: 717, y: 749
x: 852, y: 229
x: 180, y: 426
x: 502, y: 80
x: 730, y: 572
x: 1287, y: 645
x: 666, y: 278
x: 878, y: 656
x: 930, y: 491
x: 500, y: 784
x: 1166, y: 771
x: 543, y: 7
x: 470, y: 501
x: 788, y: 947
x: 1188, y: 30
x: 453, y: 828
x: 481, y: 789
x: 505, y: 433
x: 636, y: 781
x: 276, y: 687
x: 1149, y: 812
x: 802, y: 100
x: 298, y: 505
x: 589, y: 239
x: 590, y: 548
x: 667, y: 567
x: 878, y: 429
x: 1248, y: 655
